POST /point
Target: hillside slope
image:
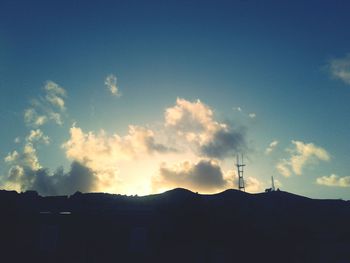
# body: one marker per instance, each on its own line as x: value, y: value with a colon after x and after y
x: 175, y: 226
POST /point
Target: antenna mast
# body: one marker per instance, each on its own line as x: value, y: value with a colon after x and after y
x: 272, y: 184
x: 240, y: 167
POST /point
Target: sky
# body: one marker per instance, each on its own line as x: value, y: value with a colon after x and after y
x: 139, y: 97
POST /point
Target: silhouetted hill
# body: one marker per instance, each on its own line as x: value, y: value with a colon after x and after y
x: 175, y: 226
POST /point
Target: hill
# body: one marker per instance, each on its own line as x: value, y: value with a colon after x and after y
x: 175, y: 226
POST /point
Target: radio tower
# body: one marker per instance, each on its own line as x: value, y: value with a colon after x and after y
x: 240, y: 167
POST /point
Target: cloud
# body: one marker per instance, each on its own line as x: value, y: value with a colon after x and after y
x: 55, y: 95
x: 11, y: 156
x: 28, y: 157
x: 340, y: 68
x: 252, y: 115
x: 102, y: 153
x: 22, y: 166
x: 78, y: 178
x: 223, y: 143
x: 47, y: 108
x: 90, y: 147
x: 32, y: 118
x: 271, y: 147
x: 301, y: 155
x: 111, y: 83
x: 334, y: 180
x: 37, y: 136
x: 26, y: 173
x: 277, y: 183
x: 194, y: 122
x: 252, y: 184
x: 305, y: 153
x: 142, y: 140
x: 206, y: 175
x: 283, y: 167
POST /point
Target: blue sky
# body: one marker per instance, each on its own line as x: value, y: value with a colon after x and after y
x: 263, y: 71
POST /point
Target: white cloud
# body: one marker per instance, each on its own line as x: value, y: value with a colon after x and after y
x: 24, y: 164
x: 301, y: 155
x: 111, y: 83
x: 306, y: 153
x: 252, y: 115
x: 28, y: 157
x: 31, y: 117
x: 17, y: 140
x: 194, y: 122
x: 271, y: 147
x: 56, y: 117
x: 334, y: 180
x: 47, y: 108
x: 53, y: 88
x: 11, y: 157
x: 90, y: 146
x: 38, y: 136
x: 340, y: 68
x: 253, y: 185
x: 55, y: 95
x: 283, y: 168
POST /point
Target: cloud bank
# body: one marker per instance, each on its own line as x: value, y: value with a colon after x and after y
x: 189, y: 124
x: 189, y: 129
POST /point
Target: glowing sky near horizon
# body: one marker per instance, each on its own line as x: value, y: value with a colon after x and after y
x: 139, y: 97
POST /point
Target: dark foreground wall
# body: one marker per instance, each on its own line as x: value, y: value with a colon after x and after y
x: 176, y: 226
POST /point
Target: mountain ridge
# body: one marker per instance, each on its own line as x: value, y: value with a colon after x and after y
x: 191, y: 227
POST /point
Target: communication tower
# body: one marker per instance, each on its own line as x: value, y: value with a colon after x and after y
x: 240, y: 167
x: 272, y: 184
